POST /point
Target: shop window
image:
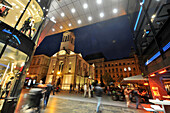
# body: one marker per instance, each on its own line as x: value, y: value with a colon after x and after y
x: 129, y: 68
x: 112, y: 70
x: 125, y: 69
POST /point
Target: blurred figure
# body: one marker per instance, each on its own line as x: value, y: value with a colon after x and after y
x: 79, y: 88
x: 89, y: 90
x: 127, y: 93
x: 70, y: 88
x: 47, y: 94
x: 137, y: 97
x: 26, y: 25
x: 85, y: 89
x: 54, y: 89
x: 92, y: 88
x: 98, y: 92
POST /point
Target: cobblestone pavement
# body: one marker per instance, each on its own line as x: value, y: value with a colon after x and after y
x: 57, y: 105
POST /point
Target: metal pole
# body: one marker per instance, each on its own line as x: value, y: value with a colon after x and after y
x: 7, y: 41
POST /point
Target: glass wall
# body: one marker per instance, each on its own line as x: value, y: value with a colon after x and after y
x: 11, y: 10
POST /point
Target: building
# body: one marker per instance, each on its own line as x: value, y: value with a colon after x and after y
x: 67, y: 67
x: 38, y: 68
x: 117, y: 68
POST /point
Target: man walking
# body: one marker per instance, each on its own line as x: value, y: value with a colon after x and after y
x: 47, y: 94
x: 99, y: 92
x: 70, y: 88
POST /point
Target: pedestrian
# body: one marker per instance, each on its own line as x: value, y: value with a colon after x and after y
x: 79, y: 88
x: 85, y: 89
x: 47, y: 94
x: 127, y: 93
x: 137, y: 97
x: 70, y: 88
x: 98, y: 92
x: 54, y: 89
x: 89, y: 90
x: 26, y: 25
x: 92, y: 88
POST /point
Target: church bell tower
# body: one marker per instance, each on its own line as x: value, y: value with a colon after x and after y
x: 68, y: 41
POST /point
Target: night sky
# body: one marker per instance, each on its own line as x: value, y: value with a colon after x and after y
x: 111, y: 37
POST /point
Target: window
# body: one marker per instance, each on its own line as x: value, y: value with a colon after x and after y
x: 125, y: 69
x: 69, y: 69
x: 112, y: 70
x: 96, y: 66
x: 117, y: 75
x: 38, y: 61
x: 113, y: 76
x: 105, y: 65
x: 96, y: 76
x: 120, y: 70
x: 134, y: 69
x: 130, y: 74
x: 100, y: 71
x: 120, y: 64
x: 129, y: 68
x: 128, y: 63
x: 115, y: 64
x: 116, y: 69
x: 106, y: 71
x: 121, y: 75
x: 108, y: 65
x: 61, y: 66
x: 132, y: 62
x: 109, y: 70
x: 101, y: 66
x: 112, y: 65
x: 96, y: 71
x: 123, y: 63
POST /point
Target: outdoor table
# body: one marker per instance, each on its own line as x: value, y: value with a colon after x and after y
x: 160, y: 102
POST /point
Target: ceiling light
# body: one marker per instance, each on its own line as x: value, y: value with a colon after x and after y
x: 17, y: 7
x: 101, y: 15
x: 43, y: 7
x: 89, y: 18
x: 53, y: 29
x: 85, y: 6
x: 13, y: 4
x: 39, y: 0
x: 69, y: 24
x: 61, y: 27
x: 79, y: 21
x: 62, y: 14
x: 73, y: 10
x: 46, y: 9
x: 115, y: 10
x: 21, y: 11
x: 99, y: 1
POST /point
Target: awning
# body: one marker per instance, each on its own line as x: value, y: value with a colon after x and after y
x: 134, y: 79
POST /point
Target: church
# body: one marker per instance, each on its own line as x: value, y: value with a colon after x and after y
x: 67, y: 67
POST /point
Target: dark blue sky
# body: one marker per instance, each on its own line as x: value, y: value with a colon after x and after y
x: 95, y: 38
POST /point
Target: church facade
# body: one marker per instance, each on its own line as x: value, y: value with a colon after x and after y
x: 67, y: 67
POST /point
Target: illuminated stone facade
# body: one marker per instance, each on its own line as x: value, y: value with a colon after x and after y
x: 117, y: 69
x: 67, y: 67
x: 39, y: 67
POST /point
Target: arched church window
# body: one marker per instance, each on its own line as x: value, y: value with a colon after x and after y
x: 61, y: 66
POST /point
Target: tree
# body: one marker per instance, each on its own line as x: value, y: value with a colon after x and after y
x: 107, y: 78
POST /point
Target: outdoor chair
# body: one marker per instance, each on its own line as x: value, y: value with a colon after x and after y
x: 157, y: 108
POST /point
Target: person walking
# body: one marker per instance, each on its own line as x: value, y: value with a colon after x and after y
x: 89, y: 90
x: 47, y: 94
x: 85, y: 89
x: 92, y: 90
x: 98, y: 92
x: 70, y: 88
x: 127, y: 93
x: 137, y: 97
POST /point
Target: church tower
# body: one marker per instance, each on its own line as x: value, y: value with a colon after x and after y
x: 68, y: 41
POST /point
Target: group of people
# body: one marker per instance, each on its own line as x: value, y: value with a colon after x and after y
x: 137, y: 94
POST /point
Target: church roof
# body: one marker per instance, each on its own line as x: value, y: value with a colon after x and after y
x: 94, y: 56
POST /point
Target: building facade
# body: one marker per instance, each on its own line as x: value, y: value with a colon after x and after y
x: 117, y: 69
x: 67, y: 67
x: 38, y: 68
